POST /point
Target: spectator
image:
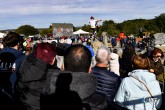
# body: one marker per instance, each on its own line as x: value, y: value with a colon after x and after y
x: 77, y: 61
x: 32, y: 76
x: 113, y: 42
x: 127, y: 56
x: 108, y: 82
x: 114, y: 62
x: 156, y: 65
x: 10, y: 60
x: 141, y: 90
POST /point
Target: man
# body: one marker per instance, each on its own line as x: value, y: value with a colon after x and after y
x: 108, y: 82
x: 75, y: 81
x: 31, y: 76
x: 10, y: 61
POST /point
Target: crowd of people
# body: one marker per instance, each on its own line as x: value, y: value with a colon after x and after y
x: 63, y: 76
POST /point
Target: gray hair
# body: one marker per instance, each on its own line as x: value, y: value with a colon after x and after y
x: 102, y: 55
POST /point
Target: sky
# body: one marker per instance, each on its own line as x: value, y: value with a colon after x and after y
x: 42, y: 13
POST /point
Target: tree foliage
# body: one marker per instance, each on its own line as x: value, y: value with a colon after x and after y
x: 128, y: 27
x: 160, y: 22
x: 26, y: 30
x: 132, y: 26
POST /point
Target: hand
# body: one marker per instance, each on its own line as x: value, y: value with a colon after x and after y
x: 151, y: 70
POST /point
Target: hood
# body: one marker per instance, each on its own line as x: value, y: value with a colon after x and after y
x: 114, y: 56
x: 145, y: 76
x: 83, y: 83
x: 15, y: 52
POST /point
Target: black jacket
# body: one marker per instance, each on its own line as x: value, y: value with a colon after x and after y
x: 78, y: 84
x: 31, y: 79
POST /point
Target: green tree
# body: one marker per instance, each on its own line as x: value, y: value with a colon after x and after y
x: 44, y: 32
x: 109, y: 27
x: 160, y: 22
x: 26, y: 30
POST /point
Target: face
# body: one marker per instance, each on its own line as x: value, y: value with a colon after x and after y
x: 157, y: 57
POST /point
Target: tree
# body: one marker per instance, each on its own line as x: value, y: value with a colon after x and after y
x: 44, y: 32
x: 160, y: 22
x: 109, y: 27
x: 26, y: 30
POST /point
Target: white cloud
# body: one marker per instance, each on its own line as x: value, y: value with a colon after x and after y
x: 76, y: 11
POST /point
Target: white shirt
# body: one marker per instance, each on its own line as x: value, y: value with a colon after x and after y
x: 93, y: 23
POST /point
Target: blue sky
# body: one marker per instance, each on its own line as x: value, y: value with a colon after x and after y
x: 42, y: 13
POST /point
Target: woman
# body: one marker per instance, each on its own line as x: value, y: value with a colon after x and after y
x: 32, y: 76
x: 136, y: 92
x: 156, y: 65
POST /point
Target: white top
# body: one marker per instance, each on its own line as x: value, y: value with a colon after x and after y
x: 114, y: 63
x: 93, y: 23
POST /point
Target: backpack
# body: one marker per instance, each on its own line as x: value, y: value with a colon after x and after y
x: 7, y: 66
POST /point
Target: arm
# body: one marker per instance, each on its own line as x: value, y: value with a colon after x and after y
x: 98, y: 20
x: 119, y: 98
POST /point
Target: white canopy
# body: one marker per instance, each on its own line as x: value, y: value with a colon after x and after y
x: 2, y: 35
x: 80, y: 31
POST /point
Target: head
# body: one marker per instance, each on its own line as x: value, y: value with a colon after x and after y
x: 141, y: 62
x: 115, y: 50
x: 12, y: 39
x: 91, y: 17
x: 77, y: 58
x: 102, y: 55
x: 156, y: 54
x: 45, y: 52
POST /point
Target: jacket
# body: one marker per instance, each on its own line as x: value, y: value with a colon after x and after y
x: 81, y: 85
x: 114, y: 63
x: 31, y: 78
x: 107, y: 82
x: 20, y: 57
x: 133, y: 95
x: 158, y: 69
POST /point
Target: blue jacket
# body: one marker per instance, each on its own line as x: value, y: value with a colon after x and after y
x: 133, y: 95
x: 19, y: 58
x: 107, y: 82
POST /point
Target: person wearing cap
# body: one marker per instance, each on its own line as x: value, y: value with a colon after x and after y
x: 31, y: 76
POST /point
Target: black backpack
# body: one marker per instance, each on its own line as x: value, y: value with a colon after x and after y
x: 7, y: 66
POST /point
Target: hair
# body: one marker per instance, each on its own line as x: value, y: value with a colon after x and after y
x: 91, y: 17
x: 12, y: 39
x: 115, y: 50
x: 155, y: 51
x: 141, y: 62
x: 102, y: 55
x: 46, y: 52
x: 77, y: 58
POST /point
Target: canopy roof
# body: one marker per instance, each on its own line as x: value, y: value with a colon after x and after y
x: 2, y: 35
x: 80, y: 31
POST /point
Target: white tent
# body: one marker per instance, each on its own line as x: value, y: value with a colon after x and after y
x: 2, y: 35
x: 80, y: 31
